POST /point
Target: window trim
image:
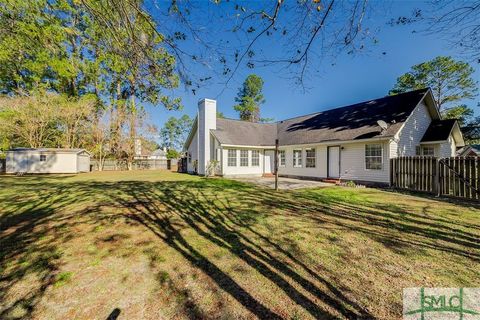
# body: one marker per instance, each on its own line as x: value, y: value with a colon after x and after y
x: 257, y: 152
x: 314, y: 157
x: 428, y: 146
x: 280, y: 152
x: 300, y: 158
x: 44, y: 157
x: 381, y: 157
x: 418, y: 150
x: 230, y: 157
x: 242, y: 151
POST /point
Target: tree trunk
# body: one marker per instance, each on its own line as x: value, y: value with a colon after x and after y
x: 131, y: 147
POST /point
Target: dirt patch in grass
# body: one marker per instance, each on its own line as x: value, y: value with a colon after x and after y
x: 159, y: 245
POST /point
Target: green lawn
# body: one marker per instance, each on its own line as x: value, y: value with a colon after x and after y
x: 160, y: 245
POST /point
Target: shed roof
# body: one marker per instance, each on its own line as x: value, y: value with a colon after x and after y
x: 49, y: 150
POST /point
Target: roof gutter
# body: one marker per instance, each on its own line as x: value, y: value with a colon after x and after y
x: 433, y: 142
x: 245, y: 146
x: 331, y: 142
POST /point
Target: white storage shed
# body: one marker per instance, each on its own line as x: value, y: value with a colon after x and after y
x: 47, y: 160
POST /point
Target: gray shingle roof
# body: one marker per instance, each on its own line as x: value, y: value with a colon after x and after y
x: 439, y: 130
x: 244, y: 133
x: 357, y: 121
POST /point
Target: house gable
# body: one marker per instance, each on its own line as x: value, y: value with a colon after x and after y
x: 425, y: 126
x: 412, y: 131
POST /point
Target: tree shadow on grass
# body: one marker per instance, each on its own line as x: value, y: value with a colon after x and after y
x: 26, y: 252
x: 37, y: 214
x: 205, y: 217
x: 225, y: 213
x: 394, y: 225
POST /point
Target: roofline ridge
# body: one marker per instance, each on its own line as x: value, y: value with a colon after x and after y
x: 239, y: 120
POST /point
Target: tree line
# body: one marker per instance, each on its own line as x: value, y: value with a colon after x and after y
x: 108, y: 58
x: 68, y: 80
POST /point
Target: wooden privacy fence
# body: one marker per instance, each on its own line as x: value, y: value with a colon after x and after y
x: 455, y: 176
x: 114, y: 165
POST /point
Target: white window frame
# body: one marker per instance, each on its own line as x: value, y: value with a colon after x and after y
x: 189, y: 157
x: 429, y: 147
x: 230, y: 157
x: 43, y: 157
x: 256, y: 157
x: 282, y: 158
x: 242, y: 157
x: 370, y: 156
x: 310, y: 157
x: 297, y: 161
x: 418, y: 150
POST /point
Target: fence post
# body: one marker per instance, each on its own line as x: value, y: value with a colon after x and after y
x: 437, y: 177
x: 392, y: 169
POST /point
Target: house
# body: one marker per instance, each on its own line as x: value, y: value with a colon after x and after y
x: 47, y: 160
x: 142, y: 153
x: 159, y: 154
x: 354, y: 142
x: 470, y: 151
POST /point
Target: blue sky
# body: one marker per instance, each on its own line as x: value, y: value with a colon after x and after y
x: 351, y: 79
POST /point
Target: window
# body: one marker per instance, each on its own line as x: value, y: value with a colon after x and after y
x: 281, y: 157
x: 255, y: 158
x: 373, y: 157
x: 297, y: 158
x: 232, y: 157
x: 418, y: 151
x: 189, y: 157
x: 428, y: 151
x: 243, y: 158
x: 310, y: 158
x: 43, y: 157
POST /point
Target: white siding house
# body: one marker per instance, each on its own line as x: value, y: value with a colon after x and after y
x: 46, y: 160
x: 349, y: 143
x: 410, y: 135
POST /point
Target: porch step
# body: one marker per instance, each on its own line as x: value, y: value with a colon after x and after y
x: 335, y: 181
x: 268, y: 175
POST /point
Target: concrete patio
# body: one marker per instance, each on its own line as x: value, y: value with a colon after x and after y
x: 285, y: 183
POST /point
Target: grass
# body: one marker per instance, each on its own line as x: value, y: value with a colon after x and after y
x: 155, y: 244
x: 62, y: 279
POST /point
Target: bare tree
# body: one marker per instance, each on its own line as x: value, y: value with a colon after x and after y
x: 456, y: 21
x: 98, y: 144
x: 302, y: 33
x: 32, y: 120
x: 74, y: 116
